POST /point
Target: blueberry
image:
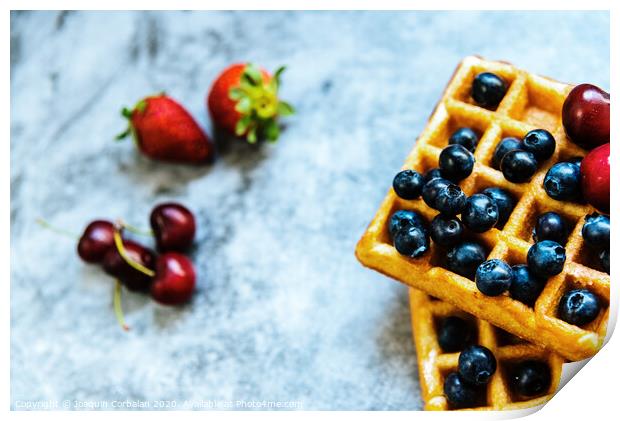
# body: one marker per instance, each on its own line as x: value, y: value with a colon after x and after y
x: 493, y: 277
x: 505, y: 203
x: 604, y: 259
x: 531, y: 378
x: 541, y: 143
x: 403, y: 218
x: 477, y: 364
x: 454, y: 334
x: 465, y: 137
x: 550, y: 226
x: 518, y: 166
x: 562, y: 181
x: 579, y: 307
x: 506, y: 145
x: 595, y: 231
x: 546, y: 258
x: 411, y: 241
x: 456, y: 162
x: 408, y: 184
x: 431, y: 191
x: 461, y: 394
x: 450, y: 200
x: 525, y: 286
x: 480, y: 213
x: 446, y: 231
x: 465, y: 258
x: 432, y: 173
x: 488, y: 89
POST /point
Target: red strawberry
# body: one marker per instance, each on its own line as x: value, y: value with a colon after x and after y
x: 244, y: 101
x: 165, y: 131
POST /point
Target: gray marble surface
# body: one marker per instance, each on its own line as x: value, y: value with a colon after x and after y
x: 283, y: 311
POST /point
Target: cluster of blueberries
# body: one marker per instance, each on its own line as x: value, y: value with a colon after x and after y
x: 493, y: 277
x: 440, y: 191
x: 595, y: 233
x: 465, y: 388
x: 519, y: 159
x: 480, y: 212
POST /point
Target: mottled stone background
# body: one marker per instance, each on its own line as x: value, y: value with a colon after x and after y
x: 283, y: 311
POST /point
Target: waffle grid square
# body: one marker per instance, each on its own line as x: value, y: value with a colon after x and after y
x: 531, y: 102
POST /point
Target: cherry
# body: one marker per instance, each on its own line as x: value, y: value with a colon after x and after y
x: 174, y: 280
x: 174, y: 227
x: 585, y: 116
x: 595, y: 178
x: 115, y: 265
x: 96, y: 241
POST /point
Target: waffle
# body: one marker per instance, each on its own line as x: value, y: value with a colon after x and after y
x: 434, y: 364
x: 531, y: 102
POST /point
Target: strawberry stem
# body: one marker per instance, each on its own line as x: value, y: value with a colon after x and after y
x: 118, y: 241
x: 256, y: 100
x: 124, y: 134
x: 118, y: 308
x: 59, y: 231
x: 126, y: 112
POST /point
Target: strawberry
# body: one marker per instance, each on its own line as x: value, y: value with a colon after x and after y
x: 165, y: 131
x: 244, y: 101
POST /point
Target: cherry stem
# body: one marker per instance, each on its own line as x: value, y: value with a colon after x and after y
x: 59, y: 231
x: 130, y: 228
x: 118, y: 241
x: 118, y: 308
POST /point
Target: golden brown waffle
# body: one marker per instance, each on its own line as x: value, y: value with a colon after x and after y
x: 531, y: 102
x: 434, y: 365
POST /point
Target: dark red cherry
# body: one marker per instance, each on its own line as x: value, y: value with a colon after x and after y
x: 595, y: 178
x: 114, y: 265
x: 174, y: 280
x: 174, y: 227
x: 96, y: 241
x: 585, y: 116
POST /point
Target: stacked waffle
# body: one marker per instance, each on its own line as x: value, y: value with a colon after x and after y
x: 530, y: 102
x: 435, y: 364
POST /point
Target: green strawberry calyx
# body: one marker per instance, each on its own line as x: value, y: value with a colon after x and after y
x: 128, y: 114
x: 258, y: 104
